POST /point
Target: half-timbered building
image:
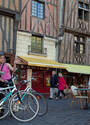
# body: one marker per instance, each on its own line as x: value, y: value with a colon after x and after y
x: 9, y: 18
x: 36, y: 41
x: 41, y: 32
x: 74, y: 45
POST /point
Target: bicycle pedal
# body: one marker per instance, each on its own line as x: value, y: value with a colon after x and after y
x: 18, y: 102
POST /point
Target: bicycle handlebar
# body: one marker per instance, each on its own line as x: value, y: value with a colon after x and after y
x: 26, y: 81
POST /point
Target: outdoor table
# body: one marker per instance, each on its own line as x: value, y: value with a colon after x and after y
x: 86, y: 94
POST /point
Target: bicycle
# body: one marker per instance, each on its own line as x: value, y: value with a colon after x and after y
x: 43, y: 105
x: 23, y: 106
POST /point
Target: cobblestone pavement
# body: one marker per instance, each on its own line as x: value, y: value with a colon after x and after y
x: 59, y: 113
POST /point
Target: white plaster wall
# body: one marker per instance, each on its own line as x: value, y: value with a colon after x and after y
x: 24, y: 39
x: 50, y: 45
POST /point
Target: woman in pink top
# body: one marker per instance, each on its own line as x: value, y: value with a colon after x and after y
x: 62, y: 85
x: 6, y: 69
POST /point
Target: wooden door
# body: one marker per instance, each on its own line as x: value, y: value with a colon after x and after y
x: 41, y: 82
x: 38, y: 82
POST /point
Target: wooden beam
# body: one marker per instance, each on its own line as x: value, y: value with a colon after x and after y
x: 25, y: 6
x: 76, y: 32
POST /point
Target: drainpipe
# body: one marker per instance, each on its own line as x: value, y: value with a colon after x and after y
x: 16, y: 22
x: 60, y: 23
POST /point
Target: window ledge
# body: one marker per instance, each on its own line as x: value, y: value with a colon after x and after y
x: 44, y: 52
x: 84, y: 21
x: 37, y: 54
x: 38, y: 17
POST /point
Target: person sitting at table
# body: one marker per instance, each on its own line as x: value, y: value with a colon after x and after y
x: 73, y: 89
x: 76, y: 96
x: 89, y: 83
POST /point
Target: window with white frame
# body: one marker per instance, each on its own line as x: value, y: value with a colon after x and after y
x: 38, y: 9
x: 83, y: 11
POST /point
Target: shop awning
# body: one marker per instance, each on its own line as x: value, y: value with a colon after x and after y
x: 42, y: 62
x: 82, y: 69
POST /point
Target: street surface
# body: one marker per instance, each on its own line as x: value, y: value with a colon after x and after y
x: 59, y: 113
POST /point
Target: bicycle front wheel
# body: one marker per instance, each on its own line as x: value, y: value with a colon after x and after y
x: 26, y: 109
x: 43, y: 105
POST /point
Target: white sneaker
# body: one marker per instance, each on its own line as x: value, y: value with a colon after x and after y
x: 56, y: 98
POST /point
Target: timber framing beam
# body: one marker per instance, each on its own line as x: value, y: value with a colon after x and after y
x: 25, y: 6
x: 76, y: 32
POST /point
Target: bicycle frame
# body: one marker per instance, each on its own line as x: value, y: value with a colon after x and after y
x: 8, y: 88
x: 9, y: 94
x: 27, y: 87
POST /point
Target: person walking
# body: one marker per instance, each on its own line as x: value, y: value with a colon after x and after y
x: 53, y: 84
x: 89, y: 83
x: 62, y: 85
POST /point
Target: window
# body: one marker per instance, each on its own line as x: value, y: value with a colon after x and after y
x: 36, y: 44
x: 83, y: 11
x: 37, y: 9
x: 79, y: 45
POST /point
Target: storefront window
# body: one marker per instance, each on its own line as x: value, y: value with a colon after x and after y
x: 21, y: 73
x: 48, y: 81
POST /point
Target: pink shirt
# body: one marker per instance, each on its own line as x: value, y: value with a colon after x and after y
x: 6, y: 70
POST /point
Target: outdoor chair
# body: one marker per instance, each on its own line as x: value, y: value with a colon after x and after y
x: 77, y: 97
x: 88, y: 96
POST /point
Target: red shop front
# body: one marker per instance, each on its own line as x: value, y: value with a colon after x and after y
x: 41, y: 70
x: 41, y: 82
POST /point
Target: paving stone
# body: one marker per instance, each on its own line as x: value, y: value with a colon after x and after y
x: 59, y: 113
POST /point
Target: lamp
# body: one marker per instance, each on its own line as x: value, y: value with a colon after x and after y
x: 60, y: 35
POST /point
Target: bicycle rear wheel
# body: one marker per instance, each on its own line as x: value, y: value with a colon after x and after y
x: 43, y: 105
x: 4, y: 109
x: 27, y: 109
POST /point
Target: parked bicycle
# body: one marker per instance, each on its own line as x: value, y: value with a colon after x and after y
x: 23, y: 105
x: 43, y: 105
